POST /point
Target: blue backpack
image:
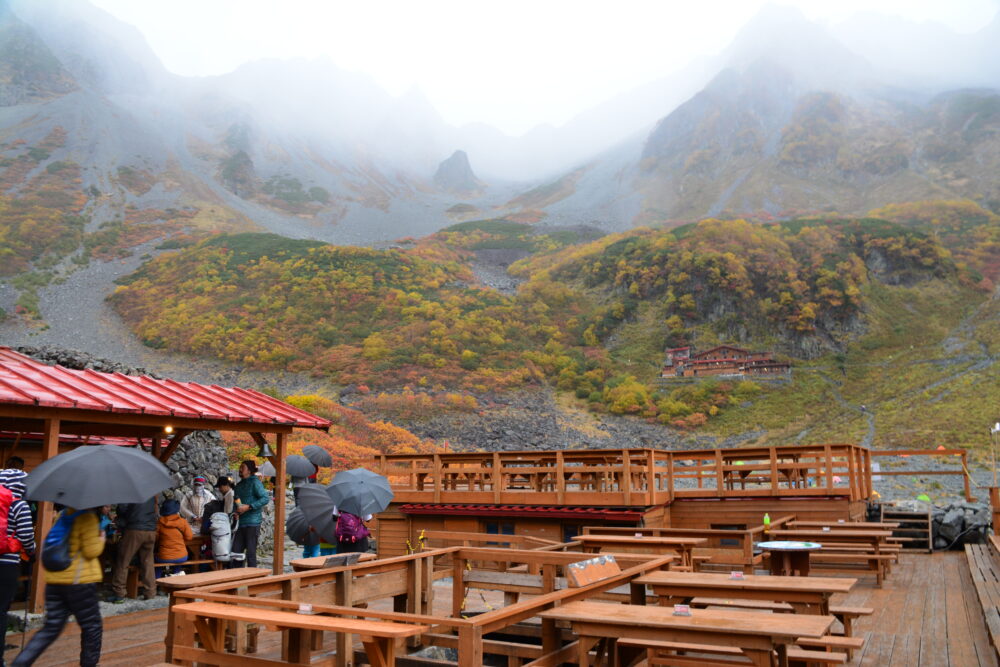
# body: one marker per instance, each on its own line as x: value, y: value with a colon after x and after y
x: 55, y: 550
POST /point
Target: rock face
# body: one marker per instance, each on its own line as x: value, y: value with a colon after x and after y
x: 455, y: 175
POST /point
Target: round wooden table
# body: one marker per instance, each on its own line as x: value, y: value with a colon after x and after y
x: 789, y: 558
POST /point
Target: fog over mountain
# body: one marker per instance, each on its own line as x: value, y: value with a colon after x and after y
x: 305, y: 148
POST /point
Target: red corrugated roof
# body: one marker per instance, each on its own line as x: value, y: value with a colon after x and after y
x: 559, y: 512
x: 24, y: 381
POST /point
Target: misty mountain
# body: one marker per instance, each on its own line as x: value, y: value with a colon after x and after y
x: 796, y: 121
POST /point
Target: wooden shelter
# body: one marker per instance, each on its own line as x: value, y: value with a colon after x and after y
x: 41, y: 406
x: 553, y: 494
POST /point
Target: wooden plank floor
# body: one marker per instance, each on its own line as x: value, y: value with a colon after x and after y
x: 926, y: 615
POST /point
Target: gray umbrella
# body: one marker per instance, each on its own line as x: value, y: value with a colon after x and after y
x: 96, y: 475
x: 267, y: 470
x: 317, y: 508
x: 299, y: 466
x: 297, y: 526
x: 360, y: 492
x: 318, y: 456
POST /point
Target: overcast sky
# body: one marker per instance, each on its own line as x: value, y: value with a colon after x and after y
x: 512, y: 64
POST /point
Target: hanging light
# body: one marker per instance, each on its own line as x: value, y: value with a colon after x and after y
x: 265, y: 451
x: 168, y: 429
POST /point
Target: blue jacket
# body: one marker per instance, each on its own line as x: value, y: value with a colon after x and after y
x: 250, y: 491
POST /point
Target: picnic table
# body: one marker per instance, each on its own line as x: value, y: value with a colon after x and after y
x: 873, y: 538
x: 319, y: 562
x: 656, y: 545
x: 182, y: 582
x: 789, y: 558
x: 209, y: 619
x: 843, y: 525
x: 755, y: 635
x: 810, y: 595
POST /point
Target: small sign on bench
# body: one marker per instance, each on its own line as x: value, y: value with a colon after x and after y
x: 586, y: 572
x: 342, y: 560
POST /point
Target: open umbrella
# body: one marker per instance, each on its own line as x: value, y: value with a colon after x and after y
x: 297, y: 526
x: 267, y: 470
x: 299, y: 466
x: 318, y: 456
x: 96, y: 475
x: 317, y: 508
x: 360, y: 492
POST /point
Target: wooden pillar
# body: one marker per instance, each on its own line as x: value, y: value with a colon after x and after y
x: 965, y: 478
x: 560, y: 478
x: 279, y: 505
x: 437, y: 478
x: 497, y: 478
x: 995, y: 507
x: 626, y: 477
x: 46, y: 517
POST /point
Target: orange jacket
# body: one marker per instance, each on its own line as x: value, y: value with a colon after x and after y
x: 171, y: 532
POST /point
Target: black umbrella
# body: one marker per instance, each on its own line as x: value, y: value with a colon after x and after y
x: 96, y: 475
x: 318, y: 456
x: 360, y: 492
x: 317, y: 508
x: 299, y: 466
x: 297, y: 526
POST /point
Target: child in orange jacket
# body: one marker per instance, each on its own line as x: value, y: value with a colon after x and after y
x: 172, y: 534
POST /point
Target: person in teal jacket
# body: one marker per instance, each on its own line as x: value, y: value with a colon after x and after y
x: 251, y: 500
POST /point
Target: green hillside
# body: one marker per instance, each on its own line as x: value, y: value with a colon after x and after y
x: 893, y: 315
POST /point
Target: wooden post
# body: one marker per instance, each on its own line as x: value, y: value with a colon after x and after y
x: 720, y: 479
x: 995, y: 506
x: 965, y: 478
x: 626, y: 476
x: 343, y: 596
x: 437, y: 478
x: 497, y: 478
x: 46, y: 517
x: 773, y: 453
x: 560, y: 478
x: 278, y: 566
x: 828, y: 454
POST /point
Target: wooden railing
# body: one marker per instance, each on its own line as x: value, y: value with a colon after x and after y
x: 961, y: 471
x: 627, y: 477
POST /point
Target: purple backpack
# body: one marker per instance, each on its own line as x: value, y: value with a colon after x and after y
x: 350, y: 528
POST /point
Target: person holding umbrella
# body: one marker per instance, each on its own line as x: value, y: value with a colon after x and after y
x: 252, y: 499
x: 73, y: 591
x: 20, y: 528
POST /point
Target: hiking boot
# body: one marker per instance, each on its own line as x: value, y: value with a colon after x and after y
x: 116, y: 599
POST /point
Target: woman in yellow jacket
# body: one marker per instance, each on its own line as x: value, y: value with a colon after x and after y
x: 73, y: 591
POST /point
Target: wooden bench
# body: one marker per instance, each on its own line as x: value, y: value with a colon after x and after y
x: 846, y: 616
x: 833, y: 643
x: 985, y: 569
x: 207, y: 619
x: 132, y: 581
x: 674, y: 650
x: 763, y: 605
x: 853, y: 562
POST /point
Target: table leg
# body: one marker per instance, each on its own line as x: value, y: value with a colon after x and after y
x: 381, y: 651
x: 169, y: 639
x: 583, y: 646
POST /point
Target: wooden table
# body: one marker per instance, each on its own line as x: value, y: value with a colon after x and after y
x: 317, y: 562
x: 655, y: 545
x: 789, y: 558
x: 847, y: 525
x: 378, y: 637
x: 874, y: 539
x: 810, y: 595
x: 182, y: 582
x: 755, y: 634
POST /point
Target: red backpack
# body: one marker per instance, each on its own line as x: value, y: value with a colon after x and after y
x: 8, y: 543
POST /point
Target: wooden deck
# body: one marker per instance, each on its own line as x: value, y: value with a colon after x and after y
x: 926, y: 614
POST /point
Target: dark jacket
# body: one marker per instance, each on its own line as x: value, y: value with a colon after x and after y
x: 138, y: 516
x: 206, y: 516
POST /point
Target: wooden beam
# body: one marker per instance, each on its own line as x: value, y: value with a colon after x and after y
x: 174, y: 443
x: 279, y: 505
x: 46, y: 517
